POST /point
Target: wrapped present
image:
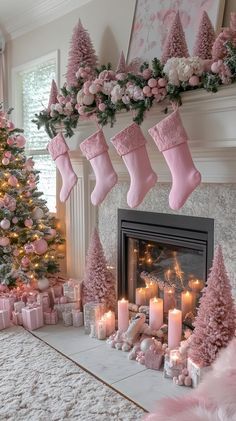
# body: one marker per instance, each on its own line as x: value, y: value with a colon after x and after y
x: 72, y: 290
x: 32, y: 297
x: 66, y: 307
x: 7, y: 303
x: 56, y: 290
x: 92, y: 314
x: 67, y: 318
x: 17, y: 318
x: 78, y: 318
x: 196, y: 372
x: 32, y: 317
x: 4, y: 319
x: 154, y: 359
x: 50, y: 317
x: 18, y: 306
x: 43, y: 300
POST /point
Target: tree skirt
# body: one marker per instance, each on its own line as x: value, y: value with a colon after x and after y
x: 39, y: 384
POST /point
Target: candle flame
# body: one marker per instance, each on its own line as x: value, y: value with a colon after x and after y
x: 155, y: 300
x: 123, y: 300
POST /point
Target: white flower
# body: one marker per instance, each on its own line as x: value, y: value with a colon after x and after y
x: 68, y: 106
x: 108, y: 86
x: 117, y: 93
x: 80, y: 96
x: 125, y: 99
x: 58, y: 108
x: 181, y: 69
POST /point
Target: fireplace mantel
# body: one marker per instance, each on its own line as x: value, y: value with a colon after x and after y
x: 210, y: 120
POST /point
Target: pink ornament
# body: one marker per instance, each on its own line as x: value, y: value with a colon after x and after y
x: 194, y: 81
x: 5, y: 224
x: 152, y: 83
x: 215, y: 67
x: 146, y: 73
x: 16, y: 253
x: 29, y: 248
x: 20, y: 141
x: 188, y: 381
x: 28, y: 222
x: 5, y: 161
x: 25, y: 261
x: 81, y: 110
x: 162, y: 82
x: 7, y: 154
x: 14, y: 220
x: 63, y: 300
x: 102, y: 107
x: 10, y: 141
x: 52, y: 233
x: 146, y: 90
x: 40, y: 246
x: 155, y: 91
x: 12, y: 181
x: 93, y: 89
x: 4, y: 241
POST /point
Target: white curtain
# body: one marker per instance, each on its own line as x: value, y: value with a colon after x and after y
x: 2, y: 70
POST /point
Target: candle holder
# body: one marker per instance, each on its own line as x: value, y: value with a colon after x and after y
x: 173, y: 364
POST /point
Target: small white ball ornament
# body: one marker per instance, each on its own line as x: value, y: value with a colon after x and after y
x: 43, y: 283
x: 5, y: 161
x: 145, y: 344
x: 88, y: 99
x: 5, y: 224
x: 37, y: 213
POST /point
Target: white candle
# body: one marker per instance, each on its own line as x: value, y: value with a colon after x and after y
x: 140, y: 298
x: 123, y: 315
x: 186, y: 303
x: 101, y: 329
x: 110, y: 322
x: 169, y: 298
x: 174, y: 328
x: 156, y: 313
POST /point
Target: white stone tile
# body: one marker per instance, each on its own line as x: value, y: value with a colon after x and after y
x: 148, y: 387
x: 107, y: 363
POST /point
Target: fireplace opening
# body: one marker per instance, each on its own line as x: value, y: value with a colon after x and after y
x: 166, y: 256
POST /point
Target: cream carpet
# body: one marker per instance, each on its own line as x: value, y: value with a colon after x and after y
x: 39, y: 384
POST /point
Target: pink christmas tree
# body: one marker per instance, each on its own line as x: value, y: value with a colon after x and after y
x: 99, y: 283
x: 215, y: 322
x: 175, y: 44
x: 121, y: 66
x: 205, y: 38
x: 219, y: 50
x: 81, y: 53
x: 53, y: 95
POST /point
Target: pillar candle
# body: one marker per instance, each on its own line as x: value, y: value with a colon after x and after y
x: 140, y: 296
x: 174, y: 328
x: 196, y: 285
x: 169, y: 298
x: 186, y: 302
x: 154, y: 289
x: 123, y: 315
x: 101, y: 329
x: 110, y: 322
x: 156, y: 313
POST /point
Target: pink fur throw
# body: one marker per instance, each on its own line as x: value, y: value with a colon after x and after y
x: 213, y: 400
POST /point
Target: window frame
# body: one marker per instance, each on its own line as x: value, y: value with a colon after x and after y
x: 18, y: 115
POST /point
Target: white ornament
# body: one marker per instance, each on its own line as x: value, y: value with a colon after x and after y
x: 5, y: 224
x: 88, y: 99
x: 145, y: 344
x: 43, y: 283
x: 37, y: 213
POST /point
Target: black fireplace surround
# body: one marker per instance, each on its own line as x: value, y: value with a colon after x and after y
x: 179, y: 232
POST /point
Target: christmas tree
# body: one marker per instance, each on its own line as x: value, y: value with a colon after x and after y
x: 121, y: 66
x: 215, y: 321
x: 219, y: 49
x: 205, y: 38
x: 53, y: 95
x: 99, y: 283
x: 175, y: 44
x: 81, y: 53
x: 28, y: 238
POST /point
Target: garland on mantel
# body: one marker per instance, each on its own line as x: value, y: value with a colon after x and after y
x: 101, y: 94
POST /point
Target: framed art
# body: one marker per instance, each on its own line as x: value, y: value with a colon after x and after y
x: 152, y: 20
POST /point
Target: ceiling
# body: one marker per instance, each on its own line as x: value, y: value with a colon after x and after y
x: 18, y: 17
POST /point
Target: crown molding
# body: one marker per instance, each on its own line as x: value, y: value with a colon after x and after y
x: 40, y: 13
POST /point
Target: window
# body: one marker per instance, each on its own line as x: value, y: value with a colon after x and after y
x: 33, y: 83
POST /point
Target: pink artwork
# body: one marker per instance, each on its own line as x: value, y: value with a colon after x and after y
x: 153, y: 18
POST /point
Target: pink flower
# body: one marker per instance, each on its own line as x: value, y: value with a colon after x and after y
x: 107, y: 75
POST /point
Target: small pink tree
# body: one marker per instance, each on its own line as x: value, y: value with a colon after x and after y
x: 53, y: 95
x: 121, y: 66
x: 205, y: 38
x: 175, y: 44
x: 99, y: 283
x: 227, y: 34
x: 215, y: 321
x: 81, y: 53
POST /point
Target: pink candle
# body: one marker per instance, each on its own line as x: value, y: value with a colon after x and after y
x: 196, y: 285
x: 174, y: 328
x: 123, y: 315
x: 156, y: 313
x: 186, y: 303
x: 169, y: 298
x: 140, y: 296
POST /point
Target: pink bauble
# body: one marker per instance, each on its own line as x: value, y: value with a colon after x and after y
x: 40, y: 246
x: 28, y: 222
x: 16, y: 253
x: 215, y: 67
x: 145, y: 344
x: 29, y: 248
x: 152, y: 83
x: 146, y: 73
x: 88, y: 99
x: 81, y: 110
x: 63, y: 300
x: 4, y: 241
x: 14, y: 220
x: 10, y: 141
x: 162, y: 82
x: 102, y: 107
x: 5, y: 161
x: 52, y: 232
x: 155, y: 91
x: 20, y: 141
x: 12, y: 181
x: 43, y: 283
x: 28, y: 194
x: 7, y: 154
x: 10, y: 125
x: 146, y: 90
x: 5, y: 224
x: 25, y: 261
x: 188, y: 381
x: 194, y: 81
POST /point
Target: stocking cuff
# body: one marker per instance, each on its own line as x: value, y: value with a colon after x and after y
x: 129, y: 139
x: 57, y: 146
x: 169, y: 132
x: 94, y: 145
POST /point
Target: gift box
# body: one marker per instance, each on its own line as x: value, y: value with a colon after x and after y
x: 4, y: 319
x: 32, y: 297
x: 154, y: 359
x: 92, y: 314
x: 173, y: 364
x: 18, y: 306
x: 43, y: 300
x: 7, y: 303
x: 67, y: 318
x: 50, y: 317
x: 66, y: 307
x: 32, y: 317
x: 78, y: 318
x: 17, y: 318
x: 72, y: 290
x: 56, y: 290
x: 196, y: 372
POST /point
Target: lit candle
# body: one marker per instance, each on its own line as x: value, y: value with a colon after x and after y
x: 123, y: 315
x: 174, y: 328
x: 196, y: 285
x: 169, y: 298
x: 153, y: 288
x: 186, y: 302
x: 110, y: 322
x: 101, y: 329
x: 175, y: 357
x: 140, y: 296
x: 156, y: 313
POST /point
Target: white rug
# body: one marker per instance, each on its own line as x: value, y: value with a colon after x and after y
x: 39, y: 384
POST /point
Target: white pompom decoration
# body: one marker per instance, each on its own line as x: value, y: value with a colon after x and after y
x: 43, y: 283
x: 5, y: 224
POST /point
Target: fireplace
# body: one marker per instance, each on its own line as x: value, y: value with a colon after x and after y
x: 164, y: 255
